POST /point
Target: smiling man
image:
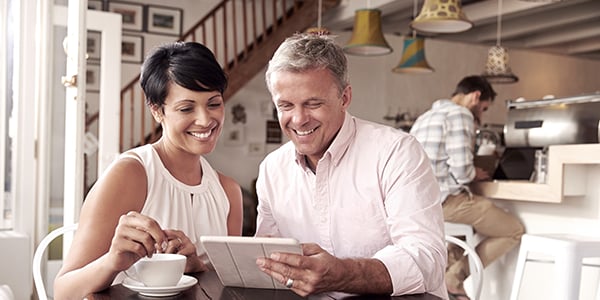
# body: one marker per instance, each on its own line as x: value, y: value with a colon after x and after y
x: 360, y: 196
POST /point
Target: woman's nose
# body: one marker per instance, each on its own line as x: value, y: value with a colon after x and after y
x: 202, y: 117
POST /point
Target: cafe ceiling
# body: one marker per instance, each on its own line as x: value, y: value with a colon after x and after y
x: 567, y: 27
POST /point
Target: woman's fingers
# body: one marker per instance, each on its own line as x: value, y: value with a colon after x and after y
x: 179, y: 243
x: 143, y: 230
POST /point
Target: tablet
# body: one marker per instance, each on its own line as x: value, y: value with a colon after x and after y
x: 234, y: 258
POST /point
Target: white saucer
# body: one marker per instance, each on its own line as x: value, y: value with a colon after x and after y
x: 162, y: 291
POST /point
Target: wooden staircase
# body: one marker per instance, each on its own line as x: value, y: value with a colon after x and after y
x: 243, y: 34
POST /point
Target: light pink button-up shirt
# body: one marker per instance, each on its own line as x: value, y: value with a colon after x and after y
x: 373, y: 195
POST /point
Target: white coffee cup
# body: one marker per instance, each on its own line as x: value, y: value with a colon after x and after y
x: 163, y: 269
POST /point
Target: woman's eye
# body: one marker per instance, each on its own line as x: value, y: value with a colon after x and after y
x: 215, y: 104
x: 185, y: 109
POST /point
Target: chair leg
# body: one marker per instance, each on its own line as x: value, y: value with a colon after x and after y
x: 519, y: 270
x: 567, y: 276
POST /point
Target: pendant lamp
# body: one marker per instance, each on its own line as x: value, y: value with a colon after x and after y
x: 319, y: 30
x: 497, y: 69
x: 367, y: 37
x: 441, y: 16
x: 413, y: 57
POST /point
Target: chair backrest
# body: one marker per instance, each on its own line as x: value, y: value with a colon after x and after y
x: 6, y: 292
x: 39, y: 254
x: 477, y: 271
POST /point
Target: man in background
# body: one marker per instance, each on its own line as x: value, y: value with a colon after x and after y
x: 447, y: 133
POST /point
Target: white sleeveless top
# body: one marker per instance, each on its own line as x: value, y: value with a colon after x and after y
x: 196, y: 210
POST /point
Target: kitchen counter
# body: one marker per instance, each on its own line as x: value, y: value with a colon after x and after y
x: 565, y: 177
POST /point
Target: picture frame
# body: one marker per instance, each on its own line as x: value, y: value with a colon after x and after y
x: 273, y: 132
x: 94, y: 42
x: 132, y: 48
x: 92, y: 78
x: 164, y: 20
x: 234, y: 136
x: 95, y: 4
x: 133, y: 14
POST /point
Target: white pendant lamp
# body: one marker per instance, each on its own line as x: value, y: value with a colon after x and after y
x: 319, y: 30
x: 497, y: 69
x: 441, y: 16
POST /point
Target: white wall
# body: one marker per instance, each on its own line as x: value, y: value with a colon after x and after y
x: 376, y: 90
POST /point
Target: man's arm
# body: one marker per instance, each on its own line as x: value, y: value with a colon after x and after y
x: 460, y: 138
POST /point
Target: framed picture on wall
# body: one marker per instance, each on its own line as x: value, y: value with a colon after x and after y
x: 164, y: 20
x: 95, y: 4
x: 93, y: 45
x: 132, y: 48
x: 92, y: 78
x: 234, y: 136
x: 133, y: 14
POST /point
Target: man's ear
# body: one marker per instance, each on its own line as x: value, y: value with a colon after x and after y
x: 347, y: 96
x: 475, y: 97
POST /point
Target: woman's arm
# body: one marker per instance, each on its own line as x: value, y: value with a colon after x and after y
x: 109, y: 239
x: 236, y: 205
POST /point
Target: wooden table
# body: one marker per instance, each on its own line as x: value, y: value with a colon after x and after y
x: 210, y: 288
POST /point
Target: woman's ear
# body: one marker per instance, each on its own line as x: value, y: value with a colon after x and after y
x: 156, y: 113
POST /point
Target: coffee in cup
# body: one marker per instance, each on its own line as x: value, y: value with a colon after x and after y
x: 162, y: 269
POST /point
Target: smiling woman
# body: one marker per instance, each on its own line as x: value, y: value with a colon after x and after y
x: 159, y: 197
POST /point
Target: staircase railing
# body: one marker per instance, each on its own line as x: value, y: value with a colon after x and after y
x: 235, y: 30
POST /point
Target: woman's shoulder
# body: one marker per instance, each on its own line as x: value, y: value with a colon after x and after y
x: 228, y: 183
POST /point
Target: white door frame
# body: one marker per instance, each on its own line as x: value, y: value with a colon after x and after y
x: 109, y: 25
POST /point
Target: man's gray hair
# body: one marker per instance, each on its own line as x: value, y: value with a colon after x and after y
x: 307, y: 51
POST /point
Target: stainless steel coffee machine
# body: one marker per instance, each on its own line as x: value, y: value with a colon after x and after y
x: 534, y: 125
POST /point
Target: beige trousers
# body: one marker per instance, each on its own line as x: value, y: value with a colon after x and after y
x: 501, y: 229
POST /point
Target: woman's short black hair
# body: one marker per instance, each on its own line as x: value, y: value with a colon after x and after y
x: 471, y: 84
x: 188, y: 64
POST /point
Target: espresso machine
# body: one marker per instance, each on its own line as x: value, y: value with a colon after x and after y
x: 536, y: 124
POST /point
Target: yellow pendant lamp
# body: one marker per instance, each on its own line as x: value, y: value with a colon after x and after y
x: 441, y: 16
x: 367, y: 37
x: 413, y: 57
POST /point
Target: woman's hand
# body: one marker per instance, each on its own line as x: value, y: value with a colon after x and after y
x: 179, y: 243
x: 136, y: 236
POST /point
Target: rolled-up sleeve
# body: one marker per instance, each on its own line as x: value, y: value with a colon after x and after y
x: 417, y: 259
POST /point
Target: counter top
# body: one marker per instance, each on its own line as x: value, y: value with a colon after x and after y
x: 565, y: 177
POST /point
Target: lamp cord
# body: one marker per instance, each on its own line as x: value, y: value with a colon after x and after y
x: 499, y: 28
x: 415, y: 3
x: 319, y: 12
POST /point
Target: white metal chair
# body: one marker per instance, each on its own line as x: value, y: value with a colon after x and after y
x: 474, y: 261
x: 466, y: 230
x: 38, y: 279
x: 6, y: 292
x: 568, y: 251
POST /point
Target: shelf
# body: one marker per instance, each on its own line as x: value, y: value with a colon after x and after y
x: 565, y: 177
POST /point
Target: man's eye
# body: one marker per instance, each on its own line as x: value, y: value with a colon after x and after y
x: 284, y: 107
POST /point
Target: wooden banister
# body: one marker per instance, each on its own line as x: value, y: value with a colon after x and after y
x: 241, y: 53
